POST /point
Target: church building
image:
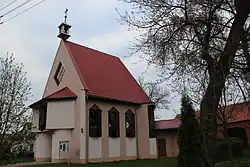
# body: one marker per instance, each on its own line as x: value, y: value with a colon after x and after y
x: 92, y: 109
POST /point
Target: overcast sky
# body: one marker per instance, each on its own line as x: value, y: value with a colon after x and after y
x: 32, y: 37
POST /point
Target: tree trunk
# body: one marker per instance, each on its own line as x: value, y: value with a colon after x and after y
x: 218, y: 72
x: 229, y: 145
x: 230, y: 152
x: 209, y: 108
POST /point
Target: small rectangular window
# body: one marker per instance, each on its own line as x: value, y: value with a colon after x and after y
x: 64, y: 146
x: 151, y: 121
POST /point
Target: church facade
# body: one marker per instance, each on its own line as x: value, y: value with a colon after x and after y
x: 92, y: 109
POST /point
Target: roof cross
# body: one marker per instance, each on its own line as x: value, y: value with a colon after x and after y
x: 66, y: 13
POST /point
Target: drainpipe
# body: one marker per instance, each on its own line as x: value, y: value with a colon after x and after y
x: 136, y: 137
x: 87, y: 128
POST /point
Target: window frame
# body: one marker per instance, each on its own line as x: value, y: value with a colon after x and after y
x: 59, y: 73
x: 95, y: 131
x: 42, y: 119
x: 114, y: 123
x: 130, y: 118
x: 64, y: 146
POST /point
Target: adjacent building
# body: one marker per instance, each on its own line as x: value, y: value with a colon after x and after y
x: 237, y: 117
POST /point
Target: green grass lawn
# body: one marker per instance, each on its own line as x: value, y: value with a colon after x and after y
x: 243, y: 161
x: 170, y: 162
x: 164, y: 162
x: 18, y: 160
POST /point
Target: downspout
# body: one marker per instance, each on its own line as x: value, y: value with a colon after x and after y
x: 87, y: 128
x: 136, y: 129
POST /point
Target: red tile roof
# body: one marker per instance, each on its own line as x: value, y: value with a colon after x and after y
x: 105, y: 75
x: 236, y: 113
x: 197, y: 114
x: 63, y: 93
x: 240, y: 124
x: 168, y: 124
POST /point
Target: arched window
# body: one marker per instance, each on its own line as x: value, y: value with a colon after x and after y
x: 130, y: 124
x: 114, y: 123
x: 95, y: 121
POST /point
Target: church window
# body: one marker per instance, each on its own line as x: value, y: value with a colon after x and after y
x: 59, y: 73
x: 95, y: 121
x: 130, y: 124
x: 114, y: 123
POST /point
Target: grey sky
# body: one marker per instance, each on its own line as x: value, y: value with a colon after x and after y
x: 32, y: 37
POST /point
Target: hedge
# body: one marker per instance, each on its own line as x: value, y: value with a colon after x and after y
x: 222, y: 152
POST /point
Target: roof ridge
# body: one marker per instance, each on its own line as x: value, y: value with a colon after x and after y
x: 56, y: 92
x: 65, y: 88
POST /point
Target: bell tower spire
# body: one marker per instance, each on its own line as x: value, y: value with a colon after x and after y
x: 64, y: 28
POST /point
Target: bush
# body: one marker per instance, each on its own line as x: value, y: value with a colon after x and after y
x: 222, y: 152
x: 6, y: 153
x: 25, y: 154
x: 189, y: 136
x: 21, y: 154
x: 30, y: 155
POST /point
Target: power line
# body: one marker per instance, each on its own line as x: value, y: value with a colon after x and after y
x: 15, y: 8
x: 3, y: 7
x: 22, y: 12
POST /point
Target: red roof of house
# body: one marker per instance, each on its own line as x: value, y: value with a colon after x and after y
x: 104, y: 75
x: 168, y: 124
x: 197, y: 114
x: 63, y: 93
x: 236, y: 113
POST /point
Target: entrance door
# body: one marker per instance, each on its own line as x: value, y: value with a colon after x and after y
x: 162, y: 152
x: 63, y: 150
x: 240, y: 133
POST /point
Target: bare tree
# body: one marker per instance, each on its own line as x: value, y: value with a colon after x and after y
x: 14, y: 93
x: 226, y: 113
x: 195, y: 40
x: 158, y: 94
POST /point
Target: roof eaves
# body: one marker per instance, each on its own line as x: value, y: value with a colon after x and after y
x: 167, y: 120
x: 60, y: 98
x: 112, y: 99
x: 234, y: 122
x: 41, y: 101
x: 44, y: 100
x: 165, y: 129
